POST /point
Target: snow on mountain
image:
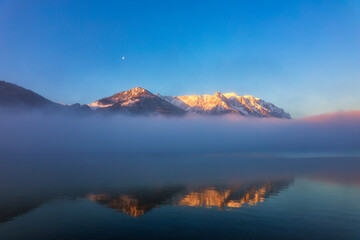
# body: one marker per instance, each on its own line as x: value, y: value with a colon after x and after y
x: 124, y: 98
x: 136, y: 101
x: 203, y: 104
x: 140, y: 101
x: 219, y: 104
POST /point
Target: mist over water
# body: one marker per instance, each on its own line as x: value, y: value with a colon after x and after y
x: 107, y: 177
x: 36, y: 132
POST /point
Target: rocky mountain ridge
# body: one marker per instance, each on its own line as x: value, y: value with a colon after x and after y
x: 219, y: 104
x: 138, y: 101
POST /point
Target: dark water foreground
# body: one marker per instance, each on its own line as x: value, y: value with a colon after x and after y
x: 179, y: 197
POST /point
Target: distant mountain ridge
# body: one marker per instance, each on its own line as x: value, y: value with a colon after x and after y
x: 13, y: 95
x: 140, y: 101
x: 219, y: 104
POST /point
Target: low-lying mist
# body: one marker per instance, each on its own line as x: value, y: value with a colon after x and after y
x: 36, y: 132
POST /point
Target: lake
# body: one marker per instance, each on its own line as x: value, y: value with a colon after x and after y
x: 230, y: 196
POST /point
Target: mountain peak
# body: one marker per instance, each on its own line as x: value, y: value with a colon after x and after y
x: 138, y: 101
x: 138, y: 89
x: 219, y: 95
x: 134, y: 92
x: 130, y: 94
x: 219, y: 104
x: 251, y: 97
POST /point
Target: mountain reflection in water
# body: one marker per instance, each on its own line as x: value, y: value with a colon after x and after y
x: 233, y: 197
x: 139, y: 201
x: 143, y: 200
x: 96, y: 197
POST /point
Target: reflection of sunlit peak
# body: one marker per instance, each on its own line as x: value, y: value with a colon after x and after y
x: 208, y: 197
x: 227, y: 198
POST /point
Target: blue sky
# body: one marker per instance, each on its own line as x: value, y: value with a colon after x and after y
x: 303, y: 56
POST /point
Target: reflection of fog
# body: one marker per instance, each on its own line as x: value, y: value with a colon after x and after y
x: 142, y: 201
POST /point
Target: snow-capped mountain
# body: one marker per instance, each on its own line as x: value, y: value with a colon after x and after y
x: 141, y: 101
x: 219, y: 104
x: 136, y: 101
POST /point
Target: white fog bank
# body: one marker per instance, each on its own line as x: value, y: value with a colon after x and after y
x: 25, y: 133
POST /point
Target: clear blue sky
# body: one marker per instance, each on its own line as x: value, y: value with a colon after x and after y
x: 303, y: 56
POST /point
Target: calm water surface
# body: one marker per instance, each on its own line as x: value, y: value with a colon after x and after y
x: 179, y: 197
